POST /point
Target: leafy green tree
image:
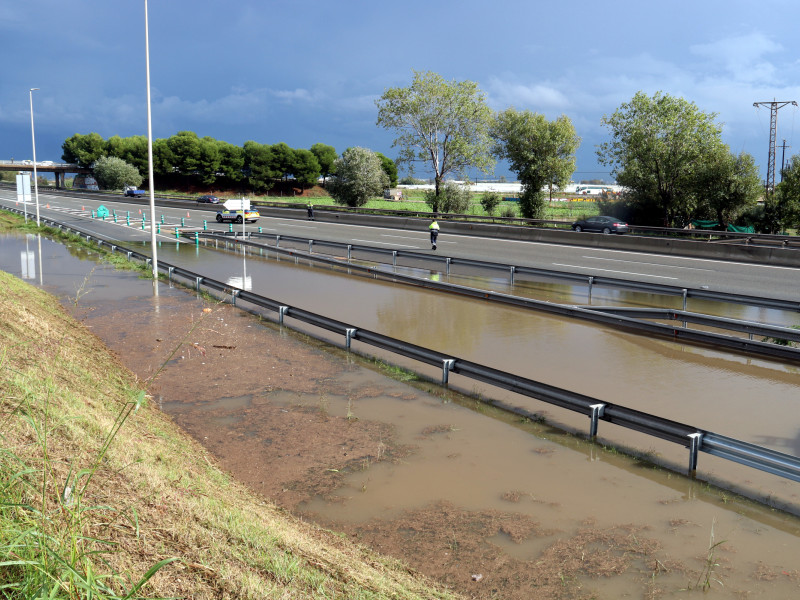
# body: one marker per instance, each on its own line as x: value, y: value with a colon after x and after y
x: 490, y: 201
x: 133, y: 150
x: 787, y: 196
x: 442, y: 124
x: 282, y: 160
x: 657, y: 145
x: 390, y: 168
x: 186, y: 151
x: 359, y: 177
x: 727, y: 185
x: 83, y: 150
x: 231, y: 160
x: 163, y: 158
x: 326, y: 157
x: 540, y: 152
x: 113, y: 173
x: 452, y: 198
x: 259, y: 165
x: 305, y: 168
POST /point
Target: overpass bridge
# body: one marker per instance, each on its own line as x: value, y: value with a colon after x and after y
x: 58, y: 169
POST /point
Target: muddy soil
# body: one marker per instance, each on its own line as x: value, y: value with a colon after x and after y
x: 219, y: 371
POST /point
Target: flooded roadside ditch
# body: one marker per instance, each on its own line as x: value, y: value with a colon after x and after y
x: 492, y: 505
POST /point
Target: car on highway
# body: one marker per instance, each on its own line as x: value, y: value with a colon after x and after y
x: 601, y: 225
x: 208, y: 200
x: 250, y: 215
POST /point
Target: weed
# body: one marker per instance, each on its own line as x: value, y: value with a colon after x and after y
x: 707, y: 574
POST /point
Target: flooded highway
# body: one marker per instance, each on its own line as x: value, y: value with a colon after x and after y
x: 478, y: 460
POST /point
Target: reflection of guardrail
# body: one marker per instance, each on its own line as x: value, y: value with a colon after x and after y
x: 695, y: 439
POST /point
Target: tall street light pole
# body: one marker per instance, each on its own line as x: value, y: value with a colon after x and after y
x: 150, y: 153
x: 33, y: 141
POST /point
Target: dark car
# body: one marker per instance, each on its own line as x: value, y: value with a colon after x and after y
x: 601, y: 225
x: 208, y: 200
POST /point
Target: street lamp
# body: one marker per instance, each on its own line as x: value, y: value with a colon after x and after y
x: 150, y: 153
x: 33, y: 141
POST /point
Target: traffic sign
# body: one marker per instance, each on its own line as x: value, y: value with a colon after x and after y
x: 237, y: 204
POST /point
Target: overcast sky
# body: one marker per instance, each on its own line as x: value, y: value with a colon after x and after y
x: 307, y: 71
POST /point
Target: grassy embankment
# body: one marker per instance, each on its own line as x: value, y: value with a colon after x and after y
x: 100, y: 492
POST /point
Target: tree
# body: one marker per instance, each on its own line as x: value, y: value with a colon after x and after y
x: 490, y: 201
x: 83, y: 150
x: 133, y: 150
x: 282, y: 160
x: 305, y: 168
x: 359, y: 177
x: 453, y: 198
x: 258, y: 162
x: 113, y: 173
x: 326, y: 157
x: 787, y: 196
x: 442, y: 124
x: 540, y: 152
x: 727, y: 185
x: 390, y: 168
x: 231, y: 160
x: 658, y: 144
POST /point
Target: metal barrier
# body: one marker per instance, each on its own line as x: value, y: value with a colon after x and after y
x: 633, y: 319
x: 693, y: 438
x: 589, y: 280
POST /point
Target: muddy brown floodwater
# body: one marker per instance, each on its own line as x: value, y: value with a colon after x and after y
x: 494, y: 506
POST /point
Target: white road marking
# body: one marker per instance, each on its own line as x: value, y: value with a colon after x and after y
x: 612, y: 271
x: 638, y: 262
x: 384, y: 244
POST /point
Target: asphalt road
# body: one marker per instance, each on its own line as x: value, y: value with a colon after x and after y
x: 719, y: 275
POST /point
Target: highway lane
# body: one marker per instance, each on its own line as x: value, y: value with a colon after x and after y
x: 719, y: 275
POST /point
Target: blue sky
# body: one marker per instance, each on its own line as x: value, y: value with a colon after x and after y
x: 308, y: 71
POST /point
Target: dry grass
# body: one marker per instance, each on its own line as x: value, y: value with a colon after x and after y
x: 112, y: 505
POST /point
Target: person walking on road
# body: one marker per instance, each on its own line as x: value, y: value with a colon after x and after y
x: 434, y: 227
x: 310, y: 212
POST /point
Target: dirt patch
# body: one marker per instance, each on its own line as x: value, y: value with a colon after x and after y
x: 218, y: 372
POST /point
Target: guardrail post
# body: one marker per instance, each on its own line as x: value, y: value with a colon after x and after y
x: 591, y: 281
x: 129, y: 254
x: 197, y: 282
x: 447, y: 265
x: 277, y: 241
x: 349, y: 251
x: 282, y: 310
x: 597, y: 412
x: 234, y: 293
x: 169, y: 273
x: 113, y: 247
x: 447, y: 366
x: 695, y: 441
x: 685, y: 295
x: 513, y: 270
x: 310, y: 246
x: 394, y: 258
x: 349, y: 334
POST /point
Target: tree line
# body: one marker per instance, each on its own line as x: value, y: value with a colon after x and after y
x: 667, y: 153
x: 207, y: 161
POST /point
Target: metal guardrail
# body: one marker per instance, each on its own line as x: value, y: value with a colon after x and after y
x: 695, y: 439
x: 512, y: 270
x: 633, y: 319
